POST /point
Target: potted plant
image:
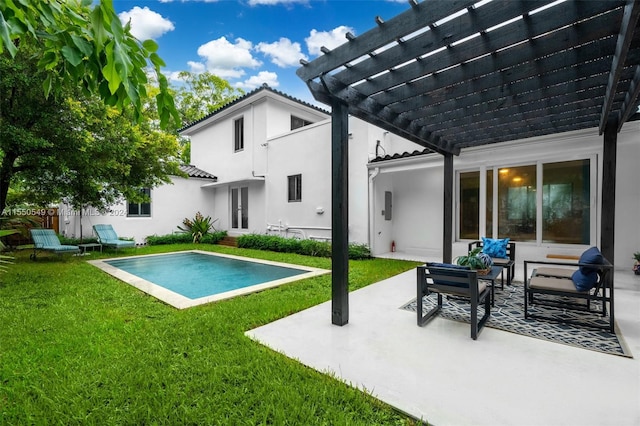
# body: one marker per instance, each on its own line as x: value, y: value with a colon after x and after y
x: 636, y: 265
x: 475, y: 259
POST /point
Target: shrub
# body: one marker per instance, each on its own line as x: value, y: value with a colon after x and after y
x: 292, y: 245
x: 184, y: 238
x: 76, y: 241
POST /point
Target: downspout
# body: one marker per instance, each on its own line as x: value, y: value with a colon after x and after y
x: 371, y: 216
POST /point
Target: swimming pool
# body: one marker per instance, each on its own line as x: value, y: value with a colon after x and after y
x: 190, y: 278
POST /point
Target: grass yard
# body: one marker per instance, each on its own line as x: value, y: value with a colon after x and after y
x: 79, y: 346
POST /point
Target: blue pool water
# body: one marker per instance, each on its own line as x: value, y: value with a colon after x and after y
x: 195, y: 275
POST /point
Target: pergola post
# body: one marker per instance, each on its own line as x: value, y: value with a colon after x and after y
x: 447, y: 231
x: 608, y: 211
x: 339, y: 213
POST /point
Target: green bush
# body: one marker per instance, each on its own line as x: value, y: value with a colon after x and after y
x: 182, y: 238
x: 75, y: 241
x: 292, y: 245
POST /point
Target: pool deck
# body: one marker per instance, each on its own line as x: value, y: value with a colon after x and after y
x: 439, y: 374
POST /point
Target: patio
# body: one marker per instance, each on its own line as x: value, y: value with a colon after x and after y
x: 437, y: 373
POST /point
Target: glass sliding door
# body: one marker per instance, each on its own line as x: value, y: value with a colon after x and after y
x: 566, y: 195
x: 517, y: 203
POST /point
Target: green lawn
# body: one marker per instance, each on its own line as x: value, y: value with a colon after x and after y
x: 79, y: 346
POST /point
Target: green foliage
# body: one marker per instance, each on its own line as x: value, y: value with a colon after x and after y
x: 474, y: 259
x: 182, y: 238
x: 202, y: 94
x: 636, y: 256
x: 198, y: 227
x: 72, y: 145
x: 76, y: 241
x: 87, y: 46
x: 292, y: 245
x: 79, y: 346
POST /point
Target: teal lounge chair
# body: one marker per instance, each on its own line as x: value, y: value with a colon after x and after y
x: 47, y: 240
x: 108, y: 237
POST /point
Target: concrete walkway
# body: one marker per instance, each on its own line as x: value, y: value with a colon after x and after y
x: 439, y: 374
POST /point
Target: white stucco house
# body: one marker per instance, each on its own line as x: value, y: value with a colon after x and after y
x: 262, y: 164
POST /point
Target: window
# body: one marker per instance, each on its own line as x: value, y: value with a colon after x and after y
x: 297, y: 122
x: 240, y: 208
x: 238, y: 134
x: 469, y: 205
x: 143, y: 209
x: 469, y: 214
x: 544, y: 203
x: 517, y: 203
x: 565, y: 202
x: 295, y: 188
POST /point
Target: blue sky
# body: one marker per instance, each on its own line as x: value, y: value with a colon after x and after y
x: 250, y: 42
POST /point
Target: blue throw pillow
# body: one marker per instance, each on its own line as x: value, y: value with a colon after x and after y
x: 495, y: 248
x: 584, y: 281
x: 592, y: 256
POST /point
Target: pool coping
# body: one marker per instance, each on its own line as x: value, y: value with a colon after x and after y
x: 181, y: 302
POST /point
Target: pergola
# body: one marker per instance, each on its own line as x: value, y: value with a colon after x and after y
x: 452, y: 74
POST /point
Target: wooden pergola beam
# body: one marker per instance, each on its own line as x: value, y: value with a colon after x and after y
x: 414, y: 19
x: 627, y: 29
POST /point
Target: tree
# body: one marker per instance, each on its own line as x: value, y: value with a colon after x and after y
x: 73, y: 145
x: 201, y: 95
x: 87, y: 46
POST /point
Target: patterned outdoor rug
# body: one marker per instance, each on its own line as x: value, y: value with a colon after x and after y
x: 508, y: 315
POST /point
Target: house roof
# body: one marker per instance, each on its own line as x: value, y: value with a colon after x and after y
x: 193, y: 171
x: 450, y: 74
x: 405, y: 154
x: 253, y: 93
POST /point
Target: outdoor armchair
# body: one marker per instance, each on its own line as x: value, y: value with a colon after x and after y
x: 507, y: 259
x: 47, y: 240
x: 107, y: 237
x: 457, y: 281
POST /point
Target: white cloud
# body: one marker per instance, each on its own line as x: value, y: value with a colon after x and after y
x: 225, y: 59
x: 270, y: 78
x: 329, y: 39
x: 283, y: 52
x: 145, y: 23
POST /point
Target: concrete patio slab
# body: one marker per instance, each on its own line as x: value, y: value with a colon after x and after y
x: 439, y: 374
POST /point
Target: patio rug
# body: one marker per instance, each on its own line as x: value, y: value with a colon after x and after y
x: 508, y: 315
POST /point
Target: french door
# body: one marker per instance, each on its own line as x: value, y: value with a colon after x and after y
x: 240, y: 208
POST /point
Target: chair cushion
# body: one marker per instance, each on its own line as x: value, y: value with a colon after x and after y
x: 495, y: 247
x: 584, y: 281
x: 592, y: 256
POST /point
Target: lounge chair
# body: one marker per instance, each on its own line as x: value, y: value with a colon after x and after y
x: 108, y: 237
x: 47, y: 240
x: 442, y: 278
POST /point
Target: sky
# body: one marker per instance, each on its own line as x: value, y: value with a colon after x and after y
x: 250, y: 42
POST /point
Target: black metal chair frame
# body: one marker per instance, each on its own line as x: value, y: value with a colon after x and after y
x: 602, y: 293
x: 509, y: 266
x: 463, y: 283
